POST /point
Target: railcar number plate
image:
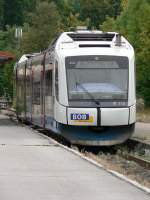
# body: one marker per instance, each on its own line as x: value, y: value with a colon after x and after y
x: 79, y: 116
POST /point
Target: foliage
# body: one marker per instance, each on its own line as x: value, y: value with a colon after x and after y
x: 93, y: 11
x: 6, y: 80
x: 8, y: 42
x: 97, y: 10
x: 1, y: 13
x: 136, y: 27
x: 14, y: 12
x: 44, y: 26
x: 74, y: 21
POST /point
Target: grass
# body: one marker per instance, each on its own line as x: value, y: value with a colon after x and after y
x: 144, y: 115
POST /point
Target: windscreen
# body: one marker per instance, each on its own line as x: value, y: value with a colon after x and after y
x: 97, y: 77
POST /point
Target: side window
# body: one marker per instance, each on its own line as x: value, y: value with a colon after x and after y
x: 56, y: 80
x: 135, y: 82
x: 36, y: 86
x: 48, y: 79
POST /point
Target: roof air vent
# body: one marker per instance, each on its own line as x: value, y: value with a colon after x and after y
x: 93, y: 45
x: 91, y: 36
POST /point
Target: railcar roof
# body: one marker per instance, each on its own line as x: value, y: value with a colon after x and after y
x: 82, y: 42
x: 86, y: 39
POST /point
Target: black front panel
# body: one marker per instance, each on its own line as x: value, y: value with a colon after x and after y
x: 102, y: 104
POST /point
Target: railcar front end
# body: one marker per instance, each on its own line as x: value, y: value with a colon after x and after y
x: 95, y: 101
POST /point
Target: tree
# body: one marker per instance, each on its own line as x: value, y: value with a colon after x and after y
x: 73, y: 21
x: 97, y: 10
x: 68, y: 12
x: 8, y: 41
x: 44, y: 26
x: 93, y: 10
x: 13, y: 12
x: 6, y: 80
x: 134, y: 23
x: 1, y: 13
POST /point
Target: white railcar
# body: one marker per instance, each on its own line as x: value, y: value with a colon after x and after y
x: 82, y: 88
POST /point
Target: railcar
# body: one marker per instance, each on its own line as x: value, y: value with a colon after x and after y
x: 81, y: 88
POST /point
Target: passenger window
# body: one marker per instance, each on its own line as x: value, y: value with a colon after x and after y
x: 48, y: 79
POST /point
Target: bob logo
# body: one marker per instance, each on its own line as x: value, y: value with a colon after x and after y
x: 80, y: 117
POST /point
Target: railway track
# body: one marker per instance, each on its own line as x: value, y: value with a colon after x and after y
x: 142, y: 162
x: 132, y: 150
x: 139, y: 152
x: 137, y: 142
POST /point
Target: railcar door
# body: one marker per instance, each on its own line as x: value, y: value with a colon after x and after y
x: 29, y: 92
x: 49, y: 66
x: 21, y: 71
x: 37, y: 90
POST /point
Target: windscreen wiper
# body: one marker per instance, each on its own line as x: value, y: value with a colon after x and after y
x: 88, y: 93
